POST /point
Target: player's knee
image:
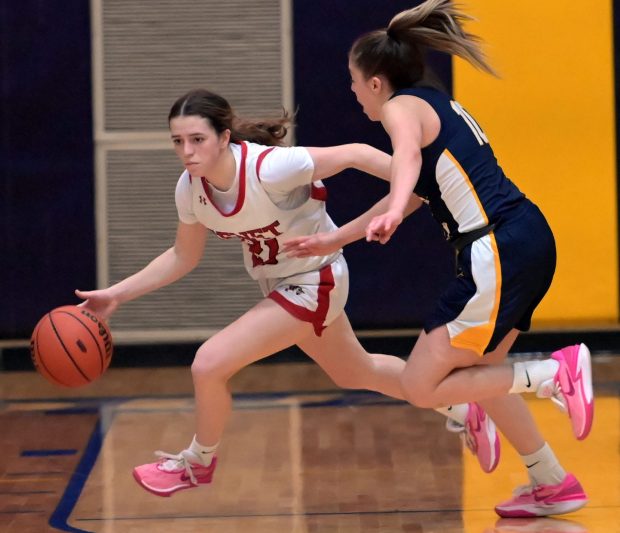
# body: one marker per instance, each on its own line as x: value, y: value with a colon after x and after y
x: 417, y: 398
x: 208, y: 367
x: 420, y: 398
x: 416, y: 393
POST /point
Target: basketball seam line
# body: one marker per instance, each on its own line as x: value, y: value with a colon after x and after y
x: 66, y: 350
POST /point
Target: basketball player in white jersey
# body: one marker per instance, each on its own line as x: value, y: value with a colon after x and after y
x: 240, y: 184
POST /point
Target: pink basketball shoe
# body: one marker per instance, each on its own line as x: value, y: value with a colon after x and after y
x: 574, y: 379
x: 173, y: 473
x: 481, y: 437
x: 544, y: 500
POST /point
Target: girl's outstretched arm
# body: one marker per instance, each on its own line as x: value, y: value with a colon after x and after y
x: 165, y: 269
x: 329, y: 242
x: 331, y: 160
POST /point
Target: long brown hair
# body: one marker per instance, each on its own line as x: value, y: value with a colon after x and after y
x: 397, y: 52
x: 219, y: 113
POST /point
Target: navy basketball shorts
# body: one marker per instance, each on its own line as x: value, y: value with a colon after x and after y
x: 318, y: 296
x: 501, y: 279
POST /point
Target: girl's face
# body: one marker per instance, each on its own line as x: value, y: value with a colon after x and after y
x: 368, y: 92
x: 197, y: 144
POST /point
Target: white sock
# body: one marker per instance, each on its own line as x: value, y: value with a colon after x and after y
x: 529, y: 375
x: 543, y: 467
x: 204, y: 453
x: 458, y: 412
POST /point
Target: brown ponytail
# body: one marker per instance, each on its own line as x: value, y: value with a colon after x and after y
x: 219, y: 113
x: 270, y: 132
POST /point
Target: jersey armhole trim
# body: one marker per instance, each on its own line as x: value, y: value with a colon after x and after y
x: 259, y: 160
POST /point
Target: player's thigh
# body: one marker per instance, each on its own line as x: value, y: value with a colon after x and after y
x: 262, y: 331
x: 498, y: 356
x: 337, y: 350
x: 432, y: 359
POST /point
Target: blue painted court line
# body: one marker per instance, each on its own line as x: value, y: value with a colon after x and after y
x: 76, y: 483
x: 47, y: 453
x: 73, y: 411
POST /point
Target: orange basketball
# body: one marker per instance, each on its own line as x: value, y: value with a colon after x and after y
x: 71, y: 346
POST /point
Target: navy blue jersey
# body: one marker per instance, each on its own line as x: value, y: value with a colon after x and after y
x: 460, y: 178
x: 506, y: 266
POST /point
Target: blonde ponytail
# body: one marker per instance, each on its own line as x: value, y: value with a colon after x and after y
x: 398, y: 51
x: 438, y: 24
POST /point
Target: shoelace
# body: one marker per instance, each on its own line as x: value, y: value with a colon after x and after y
x: 521, y: 490
x: 550, y: 389
x: 469, y: 441
x: 454, y: 427
x: 175, y: 462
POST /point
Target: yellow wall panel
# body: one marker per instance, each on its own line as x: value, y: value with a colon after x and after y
x: 550, y: 119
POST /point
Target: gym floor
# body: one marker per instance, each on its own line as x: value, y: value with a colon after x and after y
x: 299, y: 456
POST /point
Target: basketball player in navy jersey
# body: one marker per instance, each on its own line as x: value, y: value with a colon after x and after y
x: 506, y: 251
x: 241, y: 184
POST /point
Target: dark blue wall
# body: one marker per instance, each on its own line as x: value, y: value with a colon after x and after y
x: 46, y: 159
x: 393, y: 285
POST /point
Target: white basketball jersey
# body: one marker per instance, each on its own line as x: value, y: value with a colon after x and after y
x: 260, y: 224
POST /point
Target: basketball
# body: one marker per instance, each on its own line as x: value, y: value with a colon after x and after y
x: 70, y: 346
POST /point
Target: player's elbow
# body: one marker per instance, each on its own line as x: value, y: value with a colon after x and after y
x: 361, y: 154
x: 187, y: 261
x: 371, y: 160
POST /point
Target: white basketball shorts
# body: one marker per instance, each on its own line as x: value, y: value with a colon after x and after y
x: 317, y: 297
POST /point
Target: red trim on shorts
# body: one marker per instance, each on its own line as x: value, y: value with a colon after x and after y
x: 318, y: 193
x: 241, y: 192
x: 259, y: 161
x: 316, y: 318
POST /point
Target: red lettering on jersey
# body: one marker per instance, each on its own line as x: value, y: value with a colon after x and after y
x: 225, y: 234
x: 256, y: 249
x: 268, y: 232
x: 272, y: 228
x: 259, y: 241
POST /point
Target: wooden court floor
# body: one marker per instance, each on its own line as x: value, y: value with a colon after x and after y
x: 299, y: 456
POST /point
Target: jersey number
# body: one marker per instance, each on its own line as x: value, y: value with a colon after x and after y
x: 256, y: 249
x: 469, y: 120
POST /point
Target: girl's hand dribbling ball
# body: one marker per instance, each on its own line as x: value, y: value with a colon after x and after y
x: 71, y: 346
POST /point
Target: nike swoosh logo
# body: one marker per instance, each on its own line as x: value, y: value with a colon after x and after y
x: 541, y: 497
x: 571, y: 391
x: 478, y: 422
x: 529, y: 383
x: 533, y: 464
